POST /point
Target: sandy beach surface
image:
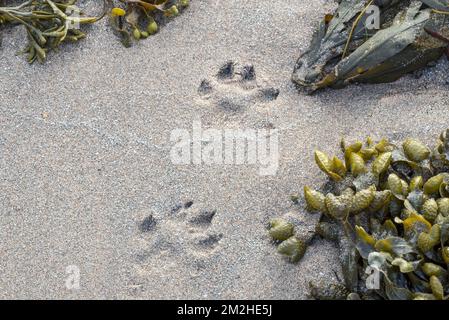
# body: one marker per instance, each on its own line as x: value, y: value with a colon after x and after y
x: 88, y: 184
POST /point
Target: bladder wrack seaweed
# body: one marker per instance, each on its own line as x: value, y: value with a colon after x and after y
x: 389, y: 214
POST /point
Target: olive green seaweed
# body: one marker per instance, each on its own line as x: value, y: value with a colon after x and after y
x: 136, y: 20
x: 49, y: 23
x: 289, y: 245
x: 392, y: 216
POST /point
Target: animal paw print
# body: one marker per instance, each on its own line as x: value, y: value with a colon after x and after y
x: 235, y: 88
x: 186, y: 232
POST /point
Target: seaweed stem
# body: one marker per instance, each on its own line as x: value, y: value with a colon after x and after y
x: 354, y: 25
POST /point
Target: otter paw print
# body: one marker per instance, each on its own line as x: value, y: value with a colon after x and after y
x: 187, y: 231
x: 235, y: 88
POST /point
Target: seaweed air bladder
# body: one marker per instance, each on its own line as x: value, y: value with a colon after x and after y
x: 47, y: 24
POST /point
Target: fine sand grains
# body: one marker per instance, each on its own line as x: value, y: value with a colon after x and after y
x: 86, y: 173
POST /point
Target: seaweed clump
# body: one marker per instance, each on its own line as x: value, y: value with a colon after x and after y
x: 373, y: 41
x: 49, y: 23
x: 388, y: 210
x: 136, y: 20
